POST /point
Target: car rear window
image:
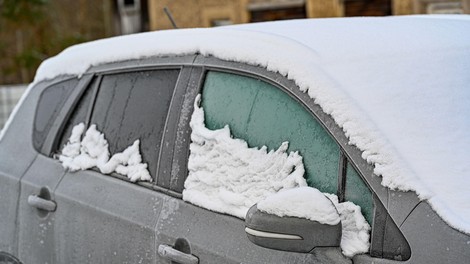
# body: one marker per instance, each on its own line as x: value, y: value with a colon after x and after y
x: 49, y: 106
x: 134, y: 106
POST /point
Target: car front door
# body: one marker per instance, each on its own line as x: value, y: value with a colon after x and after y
x: 261, y: 112
x: 215, y: 237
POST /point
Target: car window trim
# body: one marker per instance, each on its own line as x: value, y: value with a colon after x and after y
x: 179, y: 170
x: 167, y: 145
x: 59, y: 123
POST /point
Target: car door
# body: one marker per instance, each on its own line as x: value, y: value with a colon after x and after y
x: 263, y: 114
x: 106, y: 218
x: 36, y: 202
x: 210, y: 236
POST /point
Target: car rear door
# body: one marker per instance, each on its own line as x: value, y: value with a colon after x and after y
x: 189, y: 231
x: 106, y: 218
x: 102, y: 218
x: 36, y: 204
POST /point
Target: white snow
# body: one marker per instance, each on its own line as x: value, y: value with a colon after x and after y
x: 302, y: 202
x: 398, y: 86
x: 227, y: 176
x: 92, y: 151
x: 356, y: 230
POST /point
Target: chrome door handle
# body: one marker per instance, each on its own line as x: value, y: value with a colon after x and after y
x: 167, y: 252
x: 41, y: 203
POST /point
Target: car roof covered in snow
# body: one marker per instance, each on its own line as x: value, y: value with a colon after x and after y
x: 398, y: 86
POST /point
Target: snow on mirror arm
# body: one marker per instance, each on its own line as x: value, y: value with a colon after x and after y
x: 92, y: 151
x: 227, y: 176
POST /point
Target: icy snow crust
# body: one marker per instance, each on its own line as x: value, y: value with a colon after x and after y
x: 227, y: 176
x: 92, y: 151
x: 398, y: 86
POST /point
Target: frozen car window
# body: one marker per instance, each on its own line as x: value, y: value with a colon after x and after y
x: 133, y: 106
x: 262, y: 115
x: 50, y: 103
x: 79, y: 115
x: 358, y: 193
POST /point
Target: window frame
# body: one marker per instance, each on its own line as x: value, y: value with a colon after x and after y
x: 69, y: 104
x: 181, y: 63
x: 348, y: 153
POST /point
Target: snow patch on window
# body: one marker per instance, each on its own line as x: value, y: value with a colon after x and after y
x: 309, y: 203
x: 227, y: 176
x: 356, y: 230
x: 93, y: 151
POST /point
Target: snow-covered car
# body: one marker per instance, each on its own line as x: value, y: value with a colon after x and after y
x: 305, y: 141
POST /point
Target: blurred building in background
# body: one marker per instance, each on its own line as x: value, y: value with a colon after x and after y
x: 33, y: 30
x: 207, y: 13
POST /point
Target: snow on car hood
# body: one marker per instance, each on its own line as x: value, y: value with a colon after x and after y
x: 398, y: 86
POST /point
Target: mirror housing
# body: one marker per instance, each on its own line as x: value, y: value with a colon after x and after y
x: 289, y: 233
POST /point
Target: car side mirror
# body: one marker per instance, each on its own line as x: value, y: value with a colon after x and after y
x: 290, y: 233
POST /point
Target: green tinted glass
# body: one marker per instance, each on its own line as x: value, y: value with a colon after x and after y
x: 262, y: 114
x: 358, y: 193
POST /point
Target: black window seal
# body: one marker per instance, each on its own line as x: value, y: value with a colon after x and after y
x: 64, y: 115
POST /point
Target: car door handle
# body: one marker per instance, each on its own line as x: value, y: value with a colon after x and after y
x: 168, y: 252
x: 41, y: 203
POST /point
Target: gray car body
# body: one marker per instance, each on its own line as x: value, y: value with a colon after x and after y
x: 103, y: 219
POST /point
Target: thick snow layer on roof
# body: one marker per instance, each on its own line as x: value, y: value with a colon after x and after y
x: 398, y: 86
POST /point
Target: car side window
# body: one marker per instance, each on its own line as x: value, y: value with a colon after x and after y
x: 262, y: 114
x: 127, y: 107
x: 50, y: 104
x: 80, y: 113
x: 357, y: 192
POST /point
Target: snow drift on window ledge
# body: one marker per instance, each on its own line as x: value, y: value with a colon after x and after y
x: 227, y: 176
x: 92, y: 151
